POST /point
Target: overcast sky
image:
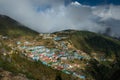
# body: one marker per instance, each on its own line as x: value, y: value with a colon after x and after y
x: 56, y: 15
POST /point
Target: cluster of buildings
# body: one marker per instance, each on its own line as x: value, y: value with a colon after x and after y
x: 56, y: 58
x: 60, y: 57
x: 52, y: 36
x: 63, y: 56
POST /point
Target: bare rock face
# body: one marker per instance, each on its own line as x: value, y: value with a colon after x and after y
x: 6, y: 75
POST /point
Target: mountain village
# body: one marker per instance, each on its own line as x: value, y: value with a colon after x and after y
x: 55, y: 51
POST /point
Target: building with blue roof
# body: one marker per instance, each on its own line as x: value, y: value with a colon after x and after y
x: 35, y: 58
x: 57, y: 38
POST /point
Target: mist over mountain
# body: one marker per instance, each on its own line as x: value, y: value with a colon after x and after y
x: 12, y: 61
x: 59, y: 39
x: 50, y: 16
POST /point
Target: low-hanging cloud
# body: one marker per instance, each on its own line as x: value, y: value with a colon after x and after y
x: 54, y: 15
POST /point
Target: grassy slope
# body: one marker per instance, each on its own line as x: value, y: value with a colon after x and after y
x: 92, y: 42
x: 12, y: 28
x: 33, y: 70
x: 87, y: 41
x: 20, y: 64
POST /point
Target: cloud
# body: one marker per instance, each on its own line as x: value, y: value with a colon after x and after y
x: 54, y: 15
x: 109, y: 17
x: 108, y: 11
